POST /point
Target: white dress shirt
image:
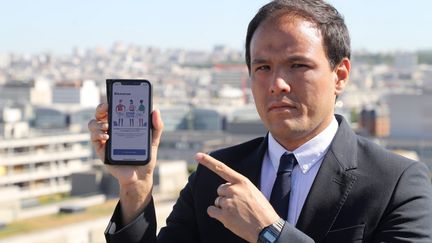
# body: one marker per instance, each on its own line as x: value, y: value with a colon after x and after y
x: 309, y: 157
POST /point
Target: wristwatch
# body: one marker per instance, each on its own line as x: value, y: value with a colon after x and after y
x: 271, y: 233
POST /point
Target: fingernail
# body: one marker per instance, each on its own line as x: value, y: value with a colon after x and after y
x: 199, y: 156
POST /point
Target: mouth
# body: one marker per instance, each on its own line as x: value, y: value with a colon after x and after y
x: 281, y: 107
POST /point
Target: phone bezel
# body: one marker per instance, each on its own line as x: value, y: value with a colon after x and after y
x: 109, y: 85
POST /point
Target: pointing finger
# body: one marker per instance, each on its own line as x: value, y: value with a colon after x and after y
x: 218, y: 167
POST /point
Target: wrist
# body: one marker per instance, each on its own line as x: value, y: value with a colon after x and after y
x: 133, y: 199
x: 272, y: 232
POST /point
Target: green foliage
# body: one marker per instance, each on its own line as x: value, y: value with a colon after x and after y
x: 354, y: 115
x: 191, y: 168
x: 53, y: 198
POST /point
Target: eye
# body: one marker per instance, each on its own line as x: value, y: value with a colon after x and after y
x: 262, y: 68
x: 298, y: 65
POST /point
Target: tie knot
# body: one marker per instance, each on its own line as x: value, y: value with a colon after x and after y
x: 286, y: 163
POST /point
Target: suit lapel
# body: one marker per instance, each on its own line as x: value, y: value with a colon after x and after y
x: 251, y: 165
x: 331, y: 186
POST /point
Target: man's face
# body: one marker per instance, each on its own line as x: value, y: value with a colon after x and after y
x: 293, y: 85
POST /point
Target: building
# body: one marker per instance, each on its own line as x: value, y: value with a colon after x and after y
x: 36, y: 163
x: 175, y: 117
x: 405, y: 62
x: 206, y: 119
x: 13, y: 125
x: 427, y: 79
x: 39, y: 166
x: 17, y: 92
x: 50, y: 117
x: 78, y: 119
x: 86, y: 95
x: 410, y: 115
x: 170, y: 176
x: 41, y: 93
x: 225, y: 76
x: 375, y: 121
x: 245, y: 120
x: 183, y: 117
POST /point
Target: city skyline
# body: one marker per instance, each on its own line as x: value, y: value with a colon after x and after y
x: 57, y: 27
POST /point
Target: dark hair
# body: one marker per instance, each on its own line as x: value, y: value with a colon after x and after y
x: 327, y: 19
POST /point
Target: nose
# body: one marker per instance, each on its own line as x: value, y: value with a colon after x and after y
x: 280, y: 84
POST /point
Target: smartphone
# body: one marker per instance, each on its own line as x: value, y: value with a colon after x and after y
x: 130, y: 106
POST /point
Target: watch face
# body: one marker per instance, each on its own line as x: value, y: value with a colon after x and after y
x: 271, y: 233
x: 269, y: 237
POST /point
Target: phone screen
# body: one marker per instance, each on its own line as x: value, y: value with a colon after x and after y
x: 129, y: 124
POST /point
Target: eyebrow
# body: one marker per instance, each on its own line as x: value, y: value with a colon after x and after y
x: 258, y: 61
x: 292, y: 58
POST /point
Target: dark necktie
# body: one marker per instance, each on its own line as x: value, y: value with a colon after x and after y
x: 279, y: 198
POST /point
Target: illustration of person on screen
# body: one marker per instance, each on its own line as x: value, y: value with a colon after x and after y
x: 131, y: 113
x: 120, y: 111
x: 141, y: 110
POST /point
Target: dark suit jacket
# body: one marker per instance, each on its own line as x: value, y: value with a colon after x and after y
x: 362, y: 193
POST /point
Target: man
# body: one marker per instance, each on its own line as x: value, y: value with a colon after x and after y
x: 341, y: 188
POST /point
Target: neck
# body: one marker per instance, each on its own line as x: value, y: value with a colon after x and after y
x: 293, y: 142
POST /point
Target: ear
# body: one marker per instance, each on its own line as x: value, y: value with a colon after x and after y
x: 342, y: 72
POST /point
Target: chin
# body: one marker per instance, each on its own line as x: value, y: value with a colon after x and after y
x: 287, y: 127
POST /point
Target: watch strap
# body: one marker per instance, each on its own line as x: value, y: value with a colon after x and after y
x: 271, y: 233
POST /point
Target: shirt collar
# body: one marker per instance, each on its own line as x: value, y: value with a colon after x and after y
x: 308, y: 154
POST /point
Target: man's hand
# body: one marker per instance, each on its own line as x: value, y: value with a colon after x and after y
x: 240, y: 206
x: 135, y: 182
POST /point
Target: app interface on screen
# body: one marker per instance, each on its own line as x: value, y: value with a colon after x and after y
x: 129, y: 123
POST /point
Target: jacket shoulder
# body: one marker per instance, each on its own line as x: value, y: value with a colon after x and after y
x: 237, y: 152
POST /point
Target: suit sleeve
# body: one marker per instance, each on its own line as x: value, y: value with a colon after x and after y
x: 408, y: 217
x: 291, y: 234
x: 181, y: 223
x: 142, y: 229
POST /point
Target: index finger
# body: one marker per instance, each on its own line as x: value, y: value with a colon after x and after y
x: 101, y: 113
x: 219, y: 168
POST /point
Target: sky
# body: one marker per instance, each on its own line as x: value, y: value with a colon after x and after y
x: 28, y: 26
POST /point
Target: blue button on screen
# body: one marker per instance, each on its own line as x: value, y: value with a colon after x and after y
x: 129, y: 152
